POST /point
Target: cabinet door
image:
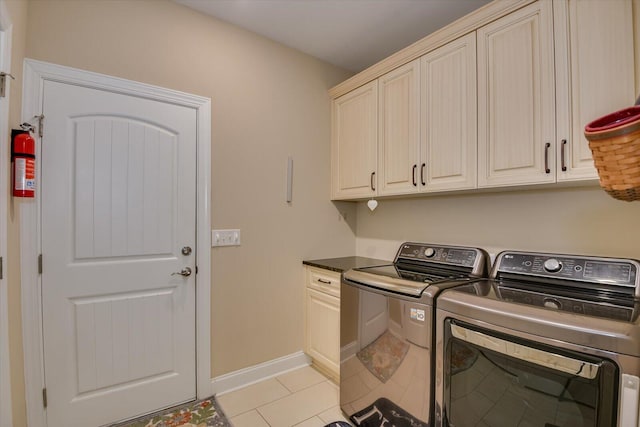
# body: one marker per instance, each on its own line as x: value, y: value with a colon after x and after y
x: 516, y: 99
x: 322, y: 337
x: 595, y: 74
x: 354, y: 143
x: 449, y: 117
x: 399, y: 130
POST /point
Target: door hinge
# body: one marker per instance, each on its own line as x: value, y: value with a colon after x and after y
x: 40, y: 125
x: 44, y: 397
x: 1, y: 268
x: 3, y: 83
x: 40, y: 264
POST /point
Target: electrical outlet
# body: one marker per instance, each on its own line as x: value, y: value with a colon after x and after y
x: 225, y: 237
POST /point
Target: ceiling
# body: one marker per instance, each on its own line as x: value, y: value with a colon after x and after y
x: 352, y: 34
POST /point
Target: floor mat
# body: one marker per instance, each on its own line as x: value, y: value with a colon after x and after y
x: 384, y: 412
x: 462, y: 357
x: 202, y: 413
x: 383, y: 356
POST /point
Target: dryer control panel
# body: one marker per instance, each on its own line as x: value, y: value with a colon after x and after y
x: 602, y: 271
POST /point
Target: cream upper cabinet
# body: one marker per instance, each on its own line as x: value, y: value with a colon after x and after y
x: 399, y: 130
x: 594, y: 75
x: 428, y: 122
x: 516, y: 98
x: 449, y: 117
x: 354, y: 143
x: 505, y: 105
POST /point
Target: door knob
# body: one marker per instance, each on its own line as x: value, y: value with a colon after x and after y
x: 186, y: 272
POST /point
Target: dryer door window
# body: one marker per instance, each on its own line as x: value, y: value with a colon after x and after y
x: 496, y: 380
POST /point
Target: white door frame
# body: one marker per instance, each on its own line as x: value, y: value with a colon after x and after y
x: 35, y: 74
x: 6, y: 418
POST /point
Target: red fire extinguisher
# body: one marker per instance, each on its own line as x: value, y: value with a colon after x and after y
x: 23, y: 155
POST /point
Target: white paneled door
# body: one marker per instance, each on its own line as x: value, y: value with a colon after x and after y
x: 118, y: 214
x: 374, y: 317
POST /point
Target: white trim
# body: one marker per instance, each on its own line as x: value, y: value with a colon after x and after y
x: 395, y: 328
x: 35, y: 74
x: 349, y: 350
x: 253, y: 374
x: 6, y: 30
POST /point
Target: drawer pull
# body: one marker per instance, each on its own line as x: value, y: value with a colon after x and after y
x: 326, y: 282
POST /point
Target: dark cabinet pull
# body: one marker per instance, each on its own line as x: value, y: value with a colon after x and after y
x: 422, y: 174
x: 562, y: 154
x: 546, y: 157
x: 326, y: 282
x: 415, y: 183
x: 373, y: 174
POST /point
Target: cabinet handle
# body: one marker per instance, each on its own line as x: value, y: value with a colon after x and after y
x: 373, y: 174
x: 415, y: 182
x: 326, y: 282
x: 562, y: 154
x: 546, y: 157
x: 422, y: 174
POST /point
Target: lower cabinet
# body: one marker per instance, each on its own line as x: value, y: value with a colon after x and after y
x: 322, y: 320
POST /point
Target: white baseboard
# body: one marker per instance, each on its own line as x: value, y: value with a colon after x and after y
x: 253, y: 374
x: 395, y: 328
x: 349, y: 350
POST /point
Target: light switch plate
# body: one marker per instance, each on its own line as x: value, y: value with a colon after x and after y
x: 225, y: 237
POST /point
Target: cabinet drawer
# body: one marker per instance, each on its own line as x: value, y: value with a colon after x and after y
x: 324, y: 281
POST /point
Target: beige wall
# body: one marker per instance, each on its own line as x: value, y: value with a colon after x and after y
x: 570, y: 220
x: 268, y: 102
x: 18, y: 14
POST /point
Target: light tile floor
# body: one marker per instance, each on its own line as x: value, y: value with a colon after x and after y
x: 300, y: 398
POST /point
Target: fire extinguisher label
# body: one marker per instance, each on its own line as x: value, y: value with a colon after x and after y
x: 25, y: 174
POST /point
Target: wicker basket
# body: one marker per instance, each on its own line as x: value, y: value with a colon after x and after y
x: 615, y: 143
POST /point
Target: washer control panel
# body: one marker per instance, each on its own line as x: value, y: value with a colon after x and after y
x: 610, y: 271
x: 451, y: 255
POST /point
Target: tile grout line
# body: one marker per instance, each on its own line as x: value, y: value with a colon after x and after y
x: 254, y: 408
x: 263, y: 418
x: 257, y: 409
x: 289, y: 393
x: 305, y: 387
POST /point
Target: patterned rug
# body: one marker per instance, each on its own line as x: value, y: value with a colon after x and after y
x: 383, y: 356
x: 462, y: 357
x: 203, y: 413
x: 385, y: 413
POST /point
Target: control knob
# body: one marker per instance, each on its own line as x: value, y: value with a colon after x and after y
x: 552, y: 303
x: 429, y: 252
x: 552, y: 265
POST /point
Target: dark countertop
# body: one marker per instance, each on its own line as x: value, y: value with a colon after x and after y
x: 343, y: 264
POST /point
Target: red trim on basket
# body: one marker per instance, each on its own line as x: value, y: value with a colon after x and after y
x: 614, y: 120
